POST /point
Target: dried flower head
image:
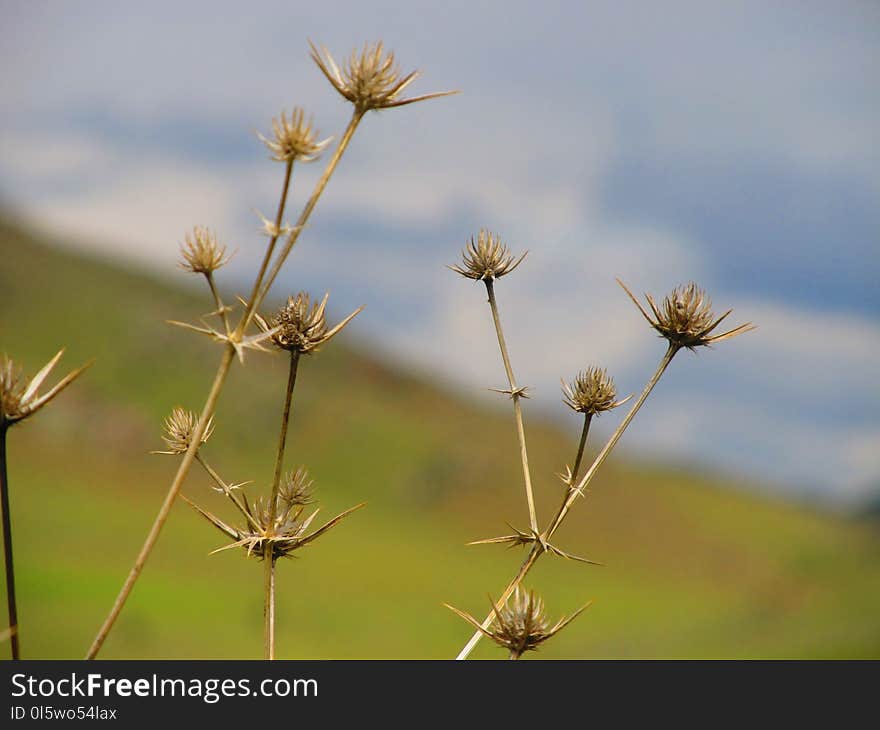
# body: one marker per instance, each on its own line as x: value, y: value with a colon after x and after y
x: 19, y: 400
x: 179, y: 428
x: 294, y: 138
x: 486, y: 258
x: 685, y: 318
x: 296, y: 489
x: 370, y: 80
x: 201, y: 253
x: 521, y: 625
x: 300, y: 325
x: 287, y: 532
x: 591, y: 392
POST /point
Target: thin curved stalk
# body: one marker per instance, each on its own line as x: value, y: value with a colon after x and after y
x: 267, y: 257
x: 165, y: 509
x: 293, y: 236
x: 259, y: 292
x: 7, y: 550
x: 516, y: 395
x: 536, y: 551
x: 612, y: 442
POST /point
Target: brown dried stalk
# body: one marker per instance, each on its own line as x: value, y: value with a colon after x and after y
x: 685, y: 320
x: 369, y: 83
x: 19, y: 401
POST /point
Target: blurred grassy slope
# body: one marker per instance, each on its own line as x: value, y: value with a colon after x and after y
x: 694, y: 567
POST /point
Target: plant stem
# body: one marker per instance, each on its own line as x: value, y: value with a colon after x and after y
x: 577, y: 465
x: 268, y: 559
x: 226, y: 489
x: 615, y: 437
x: 257, y: 296
x: 282, y: 437
x: 218, y: 302
x: 536, y: 550
x: 165, y: 509
x: 515, y: 395
x: 585, y: 431
x: 530, y: 560
x: 307, y: 210
x: 269, y: 603
x: 7, y: 548
x: 267, y: 257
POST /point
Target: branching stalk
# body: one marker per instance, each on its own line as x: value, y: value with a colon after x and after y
x: 569, y: 499
x: 516, y: 395
x: 253, y: 302
x: 7, y: 549
x: 293, y: 236
x: 612, y: 442
x: 218, y: 302
x: 261, y: 287
x: 165, y: 509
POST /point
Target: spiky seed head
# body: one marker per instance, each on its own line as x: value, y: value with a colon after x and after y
x: 294, y: 138
x: 282, y: 533
x: 486, y: 258
x: 591, y: 392
x: 521, y: 625
x: 11, y: 390
x: 179, y: 428
x: 301, y: 324
x: 369, y: 80
x: 296, y: 488
x: 201, y: 253
x: 685, y: 317
x: 18, y: 399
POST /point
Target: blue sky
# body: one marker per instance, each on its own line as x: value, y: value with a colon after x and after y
x: 732, y: 143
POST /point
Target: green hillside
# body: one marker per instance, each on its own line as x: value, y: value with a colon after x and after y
x: 694, y: 567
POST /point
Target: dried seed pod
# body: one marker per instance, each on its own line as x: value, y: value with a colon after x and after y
x: 296, y: 489
x: 19, y: 400
x: 521, y: 624
x: 294, y: 138
x: 179, y: 428
x: 685, y: 318
x: 369, y: 80
x: 287, y: 532
x: 486, y: 258
x: 300, y: 325
x: 591, y: 392
x: 201, y: 253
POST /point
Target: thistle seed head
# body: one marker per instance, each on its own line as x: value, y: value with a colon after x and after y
x: 301, y: 324
x: 486, y: 258
x: 179, y: 428
x: 296, y: 489
x: 201, y: 253
x: 685, y: 317
x: 521, y: 625
x: 18, y: 399
x: 369, y: 80
x: 294, y: 138
x: 591, y: 392
x: 287, y: 532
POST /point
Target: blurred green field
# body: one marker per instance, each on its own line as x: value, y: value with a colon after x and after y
x: 695, y: 566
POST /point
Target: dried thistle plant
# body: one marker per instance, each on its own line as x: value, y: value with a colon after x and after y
x: 684, y: 319
x: 20, y: 400
x: 370, y: 81
x: 521, y: 625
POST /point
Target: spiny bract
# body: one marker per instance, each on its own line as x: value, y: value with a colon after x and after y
x: 486, y: 258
